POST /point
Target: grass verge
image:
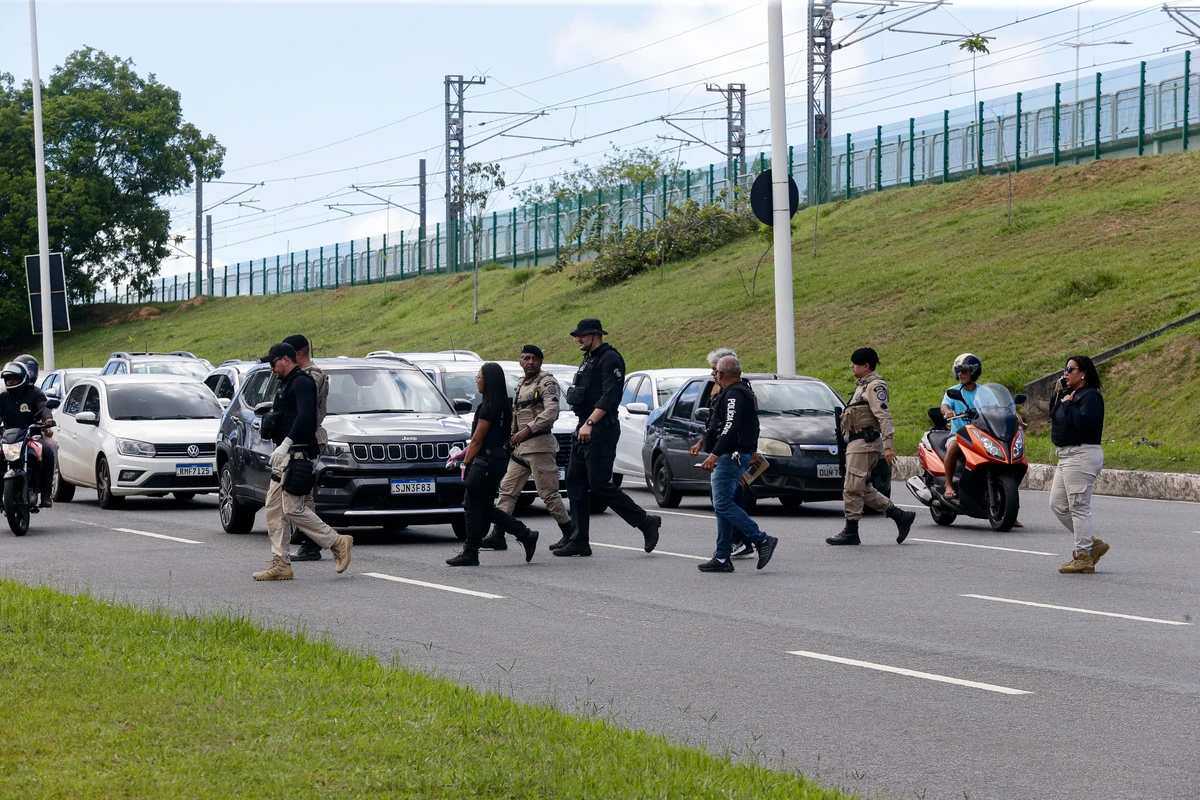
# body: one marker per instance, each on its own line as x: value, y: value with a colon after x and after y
x: 103, y: 700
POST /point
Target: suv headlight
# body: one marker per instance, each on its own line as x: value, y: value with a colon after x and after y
x: 774, y: 447
x: 991, y: 448
x: 132, y: 447
x: 337, y: 449
x: 12, y: 451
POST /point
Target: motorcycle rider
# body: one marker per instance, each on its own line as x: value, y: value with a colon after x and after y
x: 967, y: 369
x: 21, y: 405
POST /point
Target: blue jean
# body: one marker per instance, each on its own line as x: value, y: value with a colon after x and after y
x: 730, y: 517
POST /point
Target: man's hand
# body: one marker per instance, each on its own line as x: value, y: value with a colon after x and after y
x: 889, y: 455
x: 755, y: 460
x: 519, y: 437
x: 584, y: 434
x: 280, y: 456
x: 709, y: 464
x: 695, y: 449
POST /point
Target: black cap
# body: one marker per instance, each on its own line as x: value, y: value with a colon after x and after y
x: 279, y: 351
x: 534, y: 351
x: 587, y: 326
x: 298, y: 341
x: 865, y: 355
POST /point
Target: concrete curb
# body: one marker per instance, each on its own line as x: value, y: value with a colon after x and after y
x: 1114, y: 482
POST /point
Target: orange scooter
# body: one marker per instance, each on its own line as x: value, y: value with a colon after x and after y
x: 992, y: 466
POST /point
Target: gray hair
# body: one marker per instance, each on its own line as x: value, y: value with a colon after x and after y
x: 718, y: 354
x: 729, y: 365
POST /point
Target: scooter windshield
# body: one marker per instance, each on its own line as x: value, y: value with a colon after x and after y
x: 997, y: 411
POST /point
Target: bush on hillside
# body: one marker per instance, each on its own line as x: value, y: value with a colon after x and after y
x: 688, y: 229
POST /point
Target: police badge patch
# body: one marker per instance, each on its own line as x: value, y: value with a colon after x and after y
x: 882, y: 393
x: 552, y: 389
x: 617, y: 372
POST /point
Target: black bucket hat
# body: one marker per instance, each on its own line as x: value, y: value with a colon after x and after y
x: 587, y: 326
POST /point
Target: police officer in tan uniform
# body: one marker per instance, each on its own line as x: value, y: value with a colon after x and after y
x: 308, y: 550
x: 868, y: 430
x: 535, y: 410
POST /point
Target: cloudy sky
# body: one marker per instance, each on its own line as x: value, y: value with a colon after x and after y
x: 312, y: 98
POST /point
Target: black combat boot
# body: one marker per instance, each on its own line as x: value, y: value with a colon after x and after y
x: 565, y: 527
x: 494, y: 540
x: 307, y: 551
x: 469, y: 557
x: 574, y: 548
x: 903, y: 519
x: 650, y: 531
x: 528, y: 539
x: 849, y: 534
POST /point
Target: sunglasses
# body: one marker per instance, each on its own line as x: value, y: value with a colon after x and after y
x: 1069, y: 370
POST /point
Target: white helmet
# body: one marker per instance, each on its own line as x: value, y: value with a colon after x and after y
x: 968, y: 362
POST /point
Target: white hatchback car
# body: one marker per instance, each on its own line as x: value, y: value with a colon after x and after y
x: 137, y: 435
x: 646, y: 391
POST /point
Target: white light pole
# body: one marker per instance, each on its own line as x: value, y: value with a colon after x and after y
x: 39, y: 155
x: 785, y: 315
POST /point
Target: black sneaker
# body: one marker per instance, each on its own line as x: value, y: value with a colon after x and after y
x: 650, y: 531
x: 467, y: 558
x: 713, y: 565
x: 766, y: 550
x: 743, y: 550
x: 573, y: 548
x: 494, y: 541
x: 308, y: 552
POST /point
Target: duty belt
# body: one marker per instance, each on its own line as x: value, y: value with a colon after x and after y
x: 865, y: 435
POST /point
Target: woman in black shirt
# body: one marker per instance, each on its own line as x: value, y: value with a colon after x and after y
x: 485, y: 462
x: 1076, y: 429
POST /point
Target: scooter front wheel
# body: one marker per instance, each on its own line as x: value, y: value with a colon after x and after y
x: 16, y: 511
x: 1004, y: 502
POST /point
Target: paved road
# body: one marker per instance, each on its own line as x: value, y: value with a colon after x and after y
x: 1071, y: 704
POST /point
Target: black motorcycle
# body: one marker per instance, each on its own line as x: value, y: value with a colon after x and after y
x: 22, y: 460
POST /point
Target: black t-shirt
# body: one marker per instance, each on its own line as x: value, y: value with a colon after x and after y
x: 499, y: 419
x: 23, y: 407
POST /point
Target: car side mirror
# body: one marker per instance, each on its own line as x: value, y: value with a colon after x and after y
x: 52, y: 403
x: 223, y: 402
x: 1020, y: 399
x: 262, y: 408
x: 703, y: 414
x: 461, y: 406
x: 955, y: 394
x: 52, y: 392
x: 638, y: 408
x: 87, y: 418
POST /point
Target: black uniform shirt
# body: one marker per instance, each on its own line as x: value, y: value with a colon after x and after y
x: 22, y: 407
x: 499, y: 420
x: 733, y: 425
x: 599, y: 383
x: 295, y: 410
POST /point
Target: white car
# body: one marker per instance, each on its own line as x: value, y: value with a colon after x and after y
x: 137, y: 434
x: 645, y: 391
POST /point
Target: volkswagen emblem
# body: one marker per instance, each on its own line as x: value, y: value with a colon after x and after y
x: 193, y: 450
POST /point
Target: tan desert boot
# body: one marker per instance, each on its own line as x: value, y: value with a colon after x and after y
x: 1099, y: 548
x: 277, y: 570
x: 341, y: 552
x: 1080, y: 563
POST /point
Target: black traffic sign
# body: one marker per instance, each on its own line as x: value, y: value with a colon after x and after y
x: 760, y: 198
x: 58, y: 292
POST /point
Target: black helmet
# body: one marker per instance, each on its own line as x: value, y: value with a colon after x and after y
x: 15, y: 375
x: 31, y: 365
x: 971, y: 362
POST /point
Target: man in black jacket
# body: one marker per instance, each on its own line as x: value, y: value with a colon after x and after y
x: 293, y: 428
x: 594, y: 398
x: 731, y: 440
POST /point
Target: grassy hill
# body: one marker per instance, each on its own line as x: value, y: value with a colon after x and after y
x: 1094, y: 255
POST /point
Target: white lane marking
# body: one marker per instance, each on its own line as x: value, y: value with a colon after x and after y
x: 982, y: 546
x: 84, y: 522
x: 147, y: 533
x: 643, y: 550
x: 904, y: 506
x: 912, y: 673
x: 681, y: 514
x: 443, y: 587
x: 1076, y: 610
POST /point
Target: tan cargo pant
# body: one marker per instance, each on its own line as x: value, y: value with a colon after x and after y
x: 545, y: 479
x: 857, y: 489
x: 283, y: 511
x: 1071, y: 491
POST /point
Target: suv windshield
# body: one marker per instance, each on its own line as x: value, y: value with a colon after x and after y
x: 377, y: 390
x: 795, y: 397
x: 189, y: 369
x: 162, y: 401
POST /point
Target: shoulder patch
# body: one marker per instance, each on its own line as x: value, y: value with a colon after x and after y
x: 881, y: 392
x: 551, y: 388
x: 619, y: 373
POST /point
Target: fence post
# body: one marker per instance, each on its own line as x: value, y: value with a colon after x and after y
x: 1098, y: 115
x: 579, y: 216
x: 946, y: 146
x: 1057, y: 114
x: 401, y: 259
x: 711, y: 184
x: 557, y: 226
x: 369, y: 259
x: 979, y: 141
x: 495, y: 250
x: 1187, y: 80
x: 337, y: 265
x: 688, y: 191
x: 322, y: 259
x: 278, y: 278
x: 437, y: 248
x: 663, y: 211
x: 620, y: 205
x: 791, y: 158
x: 514, y: 238
x: 1020, y: 123
x: 292, y: 273
x: 1142, y: 110
x: 237, y: 287
x: 849, y: 164
x: 879, y: 158
x: 642, y: 205
x: 537, y: 207
x: 351, y: 262
x: 912, y: 151
x: 175, y: 291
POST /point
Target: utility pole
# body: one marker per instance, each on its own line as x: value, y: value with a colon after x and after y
x: 207, y: 253
x: 781, y: 216
x: 455, y: 161
x: 199, y: 224
x: 39, y: 157
x: 735, y: 121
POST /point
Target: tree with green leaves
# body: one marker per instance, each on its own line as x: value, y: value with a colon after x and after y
x: 480, y: 184
x: 116, y: 145
x: 975, y: 45
x: 618, y: 166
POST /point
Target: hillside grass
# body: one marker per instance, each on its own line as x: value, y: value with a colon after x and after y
x: 1095, y: 255
x: 104, y: 700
